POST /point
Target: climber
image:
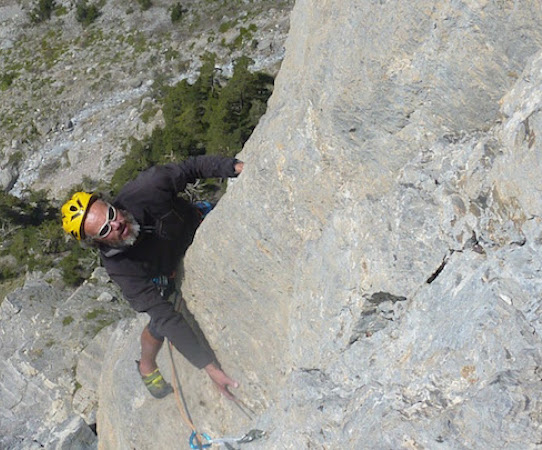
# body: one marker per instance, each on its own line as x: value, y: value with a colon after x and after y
x: 142, y: 235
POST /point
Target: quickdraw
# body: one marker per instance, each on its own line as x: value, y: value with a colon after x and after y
x: 197, y: 443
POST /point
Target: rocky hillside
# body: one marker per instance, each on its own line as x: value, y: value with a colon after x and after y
x: 72, y: 94
x: 71, y: 97
x: 53, y: 340
x: 372, y: 279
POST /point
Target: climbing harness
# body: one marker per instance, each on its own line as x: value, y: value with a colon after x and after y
x: 165, y: 284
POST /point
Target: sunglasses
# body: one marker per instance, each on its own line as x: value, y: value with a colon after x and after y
x: 105, y: 229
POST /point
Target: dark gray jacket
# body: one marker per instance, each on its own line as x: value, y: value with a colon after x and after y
x: 168, y: 224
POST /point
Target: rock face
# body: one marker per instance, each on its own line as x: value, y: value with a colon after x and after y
x: 71, y: 97
x: 372, y: 278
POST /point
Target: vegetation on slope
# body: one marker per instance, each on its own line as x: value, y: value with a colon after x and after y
x: 206, y: 117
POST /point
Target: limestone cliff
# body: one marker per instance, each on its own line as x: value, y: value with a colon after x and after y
x: 372, y: 278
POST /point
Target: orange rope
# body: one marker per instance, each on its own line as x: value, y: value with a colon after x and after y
x: 181, y: 405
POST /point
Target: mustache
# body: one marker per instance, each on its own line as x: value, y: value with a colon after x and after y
x: 134, y: 228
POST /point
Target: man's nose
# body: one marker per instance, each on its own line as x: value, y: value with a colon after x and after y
x: 115, y: 224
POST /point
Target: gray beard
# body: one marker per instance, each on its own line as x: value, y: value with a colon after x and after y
x: 134, y: 232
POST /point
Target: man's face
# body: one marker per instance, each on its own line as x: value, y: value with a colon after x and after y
x: 120, y: 228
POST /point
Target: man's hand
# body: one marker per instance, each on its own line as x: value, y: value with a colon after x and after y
x: 221, y: 380
x: 238, y: 167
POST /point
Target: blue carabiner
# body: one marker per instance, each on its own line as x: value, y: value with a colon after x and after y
x: 195, y: 445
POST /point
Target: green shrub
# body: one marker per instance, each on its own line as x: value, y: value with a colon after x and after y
x: 32, y: 210
x: 171, y: 54
x: 67, y: 320
x: 35, y: 247
x: 85, y: 13
x: 6, y: 274
x: 42, y: 11
x: 148, y: 113
x: 177, y: 12
x: 77, y: 265
x: 50, y: 237
x: 6, y: 80
x: 61, y: 11
x: 232, y: 117
x: 99, y: 325
x: 245, y: 34
x: 144, y: 4
x: 137, y: 41
x: 95, y: 313
x: 226, y: 26
x: 15, y: 158
x: 23, y: 247
x: 69, y: 266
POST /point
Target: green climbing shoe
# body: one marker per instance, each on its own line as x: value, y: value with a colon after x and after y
x: 155, y: 383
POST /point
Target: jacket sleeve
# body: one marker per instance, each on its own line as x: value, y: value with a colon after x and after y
x: 205, y: 167
x: 162, y: 183
x: 144, y: 296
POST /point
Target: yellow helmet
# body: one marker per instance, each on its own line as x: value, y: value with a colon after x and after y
x: 74, y: 212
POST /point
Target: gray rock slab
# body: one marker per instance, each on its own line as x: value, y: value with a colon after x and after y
x: 44, y: 329
x: 387, y: 167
